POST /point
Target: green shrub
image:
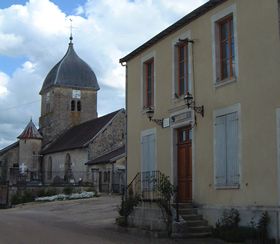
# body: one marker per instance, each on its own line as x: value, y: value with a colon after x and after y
x: 228, y: 229
x: 127, y: 205
x: 50, y: 192
x: 68, y: 190
x: 41, y: 193
x: 26, y: 196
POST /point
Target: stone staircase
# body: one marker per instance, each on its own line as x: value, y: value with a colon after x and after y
x: 191, y: 225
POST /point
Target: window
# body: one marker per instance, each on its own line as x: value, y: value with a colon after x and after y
x: 226, y: 43
x: 148, y: 159
x: 182, y: 68
x: 225, y: 53
x: 79, y: 106
x: 149, y: 83
x: 226, y: 149
x: 73, y: 105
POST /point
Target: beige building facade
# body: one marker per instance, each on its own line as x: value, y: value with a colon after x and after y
x: 226, y: 55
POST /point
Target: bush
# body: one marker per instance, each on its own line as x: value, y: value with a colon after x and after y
x: 50, y: 192
x: 127, y: 205
x: 228, y: 228
x: 68, y: 190
x: 25, y: 197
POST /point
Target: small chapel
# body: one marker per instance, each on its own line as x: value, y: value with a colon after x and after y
x: 72, y: 145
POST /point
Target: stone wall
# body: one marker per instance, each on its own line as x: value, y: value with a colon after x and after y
x: 8, y: 159
x: 29, y: 153
x: 78, y: 158
x: 111, y: 138
x: 148, y: 216
x: 59, y: 117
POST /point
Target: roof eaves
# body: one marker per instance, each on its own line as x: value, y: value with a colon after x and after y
x: 174, y: 27
x: 45, y: 152
x: 5, y: 149
x: 117, y: 157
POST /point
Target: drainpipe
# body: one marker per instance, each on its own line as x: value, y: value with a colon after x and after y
x: 277, y: 226
x: 125, y: 136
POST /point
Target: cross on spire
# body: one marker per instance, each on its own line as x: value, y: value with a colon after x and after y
x: 71, y: 29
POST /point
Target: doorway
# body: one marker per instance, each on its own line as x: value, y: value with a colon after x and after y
x: 184, y: 167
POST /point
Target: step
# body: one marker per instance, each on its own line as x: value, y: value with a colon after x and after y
x: 188, y: 217
x: 199, y: 235
x: 193, y: 223
x: 200, y: 229
x: 183, y: 205
x: 185, y: 211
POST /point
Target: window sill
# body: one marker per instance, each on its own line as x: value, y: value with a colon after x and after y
x: 178, y: 99
x: 227, y: 187
x: 145, y: 109
x: 225, y: 82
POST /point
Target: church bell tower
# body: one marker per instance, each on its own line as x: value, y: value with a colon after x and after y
x: 68, y: 95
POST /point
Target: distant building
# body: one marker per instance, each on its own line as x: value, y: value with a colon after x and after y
x: 71, y: 135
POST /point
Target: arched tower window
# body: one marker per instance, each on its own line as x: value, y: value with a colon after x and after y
x: 49, y: 168
x: 79, y: 106
x: 73, y: 105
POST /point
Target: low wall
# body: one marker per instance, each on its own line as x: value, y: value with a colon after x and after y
x: 148, y: 216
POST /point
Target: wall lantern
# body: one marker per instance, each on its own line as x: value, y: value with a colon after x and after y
x: 150, y: 114
x: 191, y: 104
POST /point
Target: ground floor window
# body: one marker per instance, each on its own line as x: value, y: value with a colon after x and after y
x: 226, y: 149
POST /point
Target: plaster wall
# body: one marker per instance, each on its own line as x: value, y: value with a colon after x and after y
x: 255, y: 89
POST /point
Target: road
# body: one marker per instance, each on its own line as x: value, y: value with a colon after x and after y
x: 72, y: 222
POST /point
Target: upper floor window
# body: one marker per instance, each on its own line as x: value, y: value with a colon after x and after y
x: 225, y: 60
x: 148, y: 83
x: 182, y: 67
x: 226, y: 43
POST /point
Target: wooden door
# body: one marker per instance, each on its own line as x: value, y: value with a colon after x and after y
x: 184, y: 164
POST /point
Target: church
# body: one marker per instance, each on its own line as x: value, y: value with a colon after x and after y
x: 72, y: 145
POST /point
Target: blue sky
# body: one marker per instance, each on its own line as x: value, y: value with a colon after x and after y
x: 34, y: 36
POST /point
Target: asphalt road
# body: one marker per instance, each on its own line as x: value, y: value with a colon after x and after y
x: 72, y: 222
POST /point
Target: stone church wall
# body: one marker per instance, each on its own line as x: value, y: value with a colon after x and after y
x: 78, y: 158
x: 59, y: 117
x: 111, y: 138
x: 8, y: 159
x: 29, y: 153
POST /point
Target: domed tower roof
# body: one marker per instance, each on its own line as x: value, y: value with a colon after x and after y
x: 71, y: 71
x: 30, y: 132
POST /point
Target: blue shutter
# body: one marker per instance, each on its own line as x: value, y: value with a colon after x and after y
x: 148, y: 162
x: 148, y: 152
x: 220, y: 151
x: 232, y: 149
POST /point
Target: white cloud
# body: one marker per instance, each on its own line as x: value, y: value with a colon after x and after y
x: 104, y: 31
x: 4, y: 78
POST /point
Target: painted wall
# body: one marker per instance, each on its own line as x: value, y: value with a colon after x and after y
x: 256, y: 89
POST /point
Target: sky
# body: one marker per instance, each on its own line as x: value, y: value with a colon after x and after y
x: 34, y: 36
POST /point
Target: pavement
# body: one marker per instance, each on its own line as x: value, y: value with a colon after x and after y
x: 87, y: 221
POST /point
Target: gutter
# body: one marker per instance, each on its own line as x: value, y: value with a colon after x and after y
x: 124, y: 64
